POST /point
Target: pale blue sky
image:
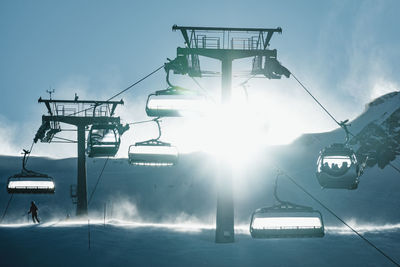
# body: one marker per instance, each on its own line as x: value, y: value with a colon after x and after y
x: 346, y: 51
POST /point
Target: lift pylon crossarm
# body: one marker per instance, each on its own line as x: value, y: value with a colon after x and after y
x: 227, y: 53
x: 99, y: 102
x: 191, y: 28
x: 222, y: 37
x: 77, y: 107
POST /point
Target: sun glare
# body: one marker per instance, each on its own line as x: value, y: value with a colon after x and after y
x: 230, y: 132
x: 236, y: 131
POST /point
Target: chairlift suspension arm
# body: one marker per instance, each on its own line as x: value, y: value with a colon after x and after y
x: 157, y: 121
x: 281, y: 202
x: 167, y: 79
x: 24, y: 159
x: 276, y: 188
x: 159, y: 128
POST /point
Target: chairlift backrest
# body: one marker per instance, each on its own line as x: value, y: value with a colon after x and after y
x: 153, y: 153
x: 31, y: 183
x: 281, y: 221
x: 174, y: 102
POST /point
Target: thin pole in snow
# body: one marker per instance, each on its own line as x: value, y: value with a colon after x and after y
x: 88, y: 223
x: 112, y: 209
x: 104, y: 214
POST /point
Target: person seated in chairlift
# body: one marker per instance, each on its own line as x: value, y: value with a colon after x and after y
x: 344, y: 166
x: 335, y: 167
x: 34, y: 210
x: 326, y: 166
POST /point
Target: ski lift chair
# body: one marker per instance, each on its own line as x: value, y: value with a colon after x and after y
x: 174, y: 102
x: 103, y: 140
x: 337, y: 167
x: 153, y: 153
x: 30, y: 182
x: 286, y: 220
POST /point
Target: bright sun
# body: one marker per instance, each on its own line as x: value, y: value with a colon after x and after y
x: 235, y: 131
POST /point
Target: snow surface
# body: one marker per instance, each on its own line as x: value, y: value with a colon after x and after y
x: 129, y: 244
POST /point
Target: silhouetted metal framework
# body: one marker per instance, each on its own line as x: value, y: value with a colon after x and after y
x: 80, y: 113
x: 226, y: 45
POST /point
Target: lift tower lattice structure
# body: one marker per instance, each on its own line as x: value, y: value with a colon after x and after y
x: 82, y: 114
x: 226, y: 45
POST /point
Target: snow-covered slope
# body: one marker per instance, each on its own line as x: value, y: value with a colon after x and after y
x: 121, y: 244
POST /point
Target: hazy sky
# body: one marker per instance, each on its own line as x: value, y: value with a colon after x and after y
x: 347, y: 52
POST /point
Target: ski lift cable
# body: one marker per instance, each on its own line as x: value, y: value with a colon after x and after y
x: 316, y: 100
x: 98, y: 180
x: 30, y: 150
x: 5, y: 210
x: 124, y: 90
x: 137, y: 82
x: 394, y: 167
x: 341, y: 124
x: 203, y: 89
x: 139, y: 122
x: 65, y: 139
x: 337, y: 217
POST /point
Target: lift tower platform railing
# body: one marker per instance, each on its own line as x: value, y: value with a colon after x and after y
x: 226, y: 45
x: 80, y: 113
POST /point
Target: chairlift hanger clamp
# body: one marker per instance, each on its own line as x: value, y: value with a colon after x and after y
x: 344, y: 124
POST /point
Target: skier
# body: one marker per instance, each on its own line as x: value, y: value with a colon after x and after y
x: 34, y: 210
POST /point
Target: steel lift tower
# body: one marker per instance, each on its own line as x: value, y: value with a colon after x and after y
x: 226, y: 45
x: 82, y: 114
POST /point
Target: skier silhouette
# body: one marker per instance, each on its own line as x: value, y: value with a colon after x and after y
x: 34, y: 210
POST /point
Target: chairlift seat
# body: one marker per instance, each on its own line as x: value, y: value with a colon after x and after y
x: 30, y: 183
x: 103, y: 140
x: 153, y: 153
x: 286, y: 221
x: 174, y: 102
